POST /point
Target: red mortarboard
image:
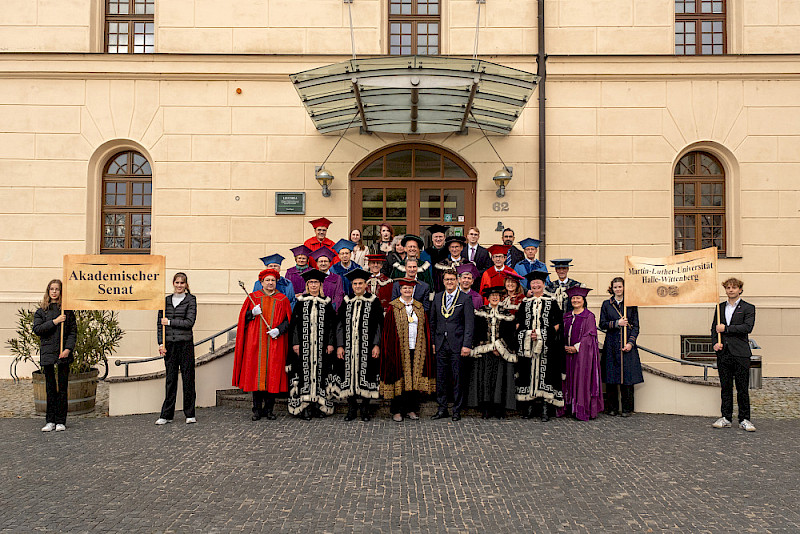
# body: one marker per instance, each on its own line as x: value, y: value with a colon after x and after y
x: 376, y: 257
x: 322, y: 221
x: 269, y: 272
x: 498, y: 249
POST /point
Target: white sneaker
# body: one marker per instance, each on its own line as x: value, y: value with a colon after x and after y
x: 722, y: 422
x: 191, y: 420
x: 747, y: 425
x: 162, y: 421
x: 61, y: 428
x: 49, y: 427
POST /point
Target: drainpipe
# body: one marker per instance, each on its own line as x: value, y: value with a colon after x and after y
x: 541, y: 70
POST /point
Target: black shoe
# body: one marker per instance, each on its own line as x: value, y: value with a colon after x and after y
x: 500, y: 414
x: 456, y: 417
x: 545, y: 416
x: 365, y: 416
x: 485, y: 414
x: 255, y: 417
x: 625, y: 414
x: 441, y: 414
x: 527, y: 413
x: 613, y: 413
x: 270, y: 416
x: 351, y: 415
x: 305, y: 415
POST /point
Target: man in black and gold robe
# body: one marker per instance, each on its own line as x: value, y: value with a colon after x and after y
x: 541, y: 366
x: 356, y: 370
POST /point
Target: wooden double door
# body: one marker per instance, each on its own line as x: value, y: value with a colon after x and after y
x: 411, y: 187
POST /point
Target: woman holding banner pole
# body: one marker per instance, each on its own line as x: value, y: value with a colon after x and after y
x: 58, y: 333
x: 176, y: 344
x: 621, y: 366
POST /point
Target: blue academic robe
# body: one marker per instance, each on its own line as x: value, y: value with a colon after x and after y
x: 283, y: 286
x: 524, y: 267
x: 341, y: 271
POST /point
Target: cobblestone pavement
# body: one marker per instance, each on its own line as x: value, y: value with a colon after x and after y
x: 646, y: 473
x: 778, y: 399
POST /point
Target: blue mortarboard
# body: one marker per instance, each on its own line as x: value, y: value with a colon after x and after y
x: 323, y: 251
x: 562, y: 262
x: 344, y: 243
x: 302, y: 250
x: 530, y: 242
x: 274, y: 258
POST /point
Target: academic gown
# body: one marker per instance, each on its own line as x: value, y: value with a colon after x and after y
x: 423, y: 273
x: 313, y: 329
x: 492, y: 277
x: 381, y: 285
x: 295, y: 276
x: 612, y: 347
x: 341, y: 270
x: 541, y: 366
x: 525, y: 266
x: 448, y: 263
x: 259, y: 362
x: 333, y: 287
x: 315, y: 244
x: 437, y: 254
x: 400, y: 373
x: 559, y: 292
x: 282, y: 286
x: 583, y: 395
x: 491, y: 377
x: 358, y: 331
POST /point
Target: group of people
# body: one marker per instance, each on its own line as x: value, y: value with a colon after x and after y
x: 487, y: 328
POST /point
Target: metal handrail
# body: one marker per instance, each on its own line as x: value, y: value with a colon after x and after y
x: 705, y: 366
x: 212, y: 338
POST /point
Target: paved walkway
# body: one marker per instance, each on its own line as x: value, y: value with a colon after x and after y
x: 647, y: 473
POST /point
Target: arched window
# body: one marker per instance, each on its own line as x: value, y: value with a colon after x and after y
x: 127, y: 196
x: 699, y: 203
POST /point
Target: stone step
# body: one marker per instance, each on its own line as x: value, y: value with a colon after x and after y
x: 236, y: 398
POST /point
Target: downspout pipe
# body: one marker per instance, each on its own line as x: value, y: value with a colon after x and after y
x: 541, y: 70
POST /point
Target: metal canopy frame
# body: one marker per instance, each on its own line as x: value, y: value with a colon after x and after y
x: 415, y: 94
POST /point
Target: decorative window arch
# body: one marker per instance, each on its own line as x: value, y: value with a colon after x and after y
x: 700, y: 218
x: 126, y: 198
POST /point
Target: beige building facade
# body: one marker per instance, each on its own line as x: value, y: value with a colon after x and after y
x: 217, y: 118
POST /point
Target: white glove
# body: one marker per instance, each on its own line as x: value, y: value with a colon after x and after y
x: 274, y: 333
x: 256, y: 309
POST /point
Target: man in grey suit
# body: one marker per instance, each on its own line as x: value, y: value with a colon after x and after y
x: 732, y: 345
x: 452, y: 317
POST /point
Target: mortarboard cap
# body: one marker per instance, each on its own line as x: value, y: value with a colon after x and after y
x: 406, y: 282
x: 536, y: 275
x: 467, y: 268
x: 357, y: 274
x: 323, y: 252
x: 344, y: 243
x: 530, y: 242
x: 562, y: 262
x: 313, y: 274
x: 322, y: 221
x: 498, y: 249
x: 274, y: 258
x: 302, y: 250
x: 578, y: 291
x: 376, y: 257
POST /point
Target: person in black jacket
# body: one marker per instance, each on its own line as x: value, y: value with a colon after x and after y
x: 49, y: 322
x: 178, y: 348
x: 732, y: 345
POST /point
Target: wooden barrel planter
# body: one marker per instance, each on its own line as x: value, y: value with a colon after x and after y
x: 81, y: 393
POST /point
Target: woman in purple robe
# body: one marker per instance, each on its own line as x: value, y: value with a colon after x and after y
x: 583, y: 395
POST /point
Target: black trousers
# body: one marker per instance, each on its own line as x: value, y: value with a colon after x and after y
x: 263, y: 402
x: 405, y: 403
x: 57, y: 402
x: 448, y: 362
x: 612, y: 397
x: 179, y: 358
x: 734, y: 369
x: 352, y: 402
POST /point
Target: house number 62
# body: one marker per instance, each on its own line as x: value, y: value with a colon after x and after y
x: 500, y: 206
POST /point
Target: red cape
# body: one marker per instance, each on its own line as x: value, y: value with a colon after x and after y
x: 259, y: 362
x: 314, y: 244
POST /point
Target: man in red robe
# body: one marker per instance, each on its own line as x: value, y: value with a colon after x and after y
x: 259, y: 363
x: 496, y: 274
x: 378, y: 283
x: 319, y: 239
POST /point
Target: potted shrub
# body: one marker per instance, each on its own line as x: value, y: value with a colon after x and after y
x: 99, y: 335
